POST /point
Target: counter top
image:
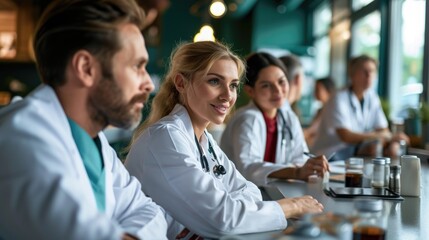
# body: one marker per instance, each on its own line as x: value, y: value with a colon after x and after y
x: 407, y: 219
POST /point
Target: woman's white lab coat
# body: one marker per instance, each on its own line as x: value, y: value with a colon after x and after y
x: 44, y: 188
x: 166, y: 159
x: 244, y: 140
x: 345, y: 111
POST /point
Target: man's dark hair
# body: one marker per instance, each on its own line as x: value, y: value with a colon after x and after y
x: 68, y: 26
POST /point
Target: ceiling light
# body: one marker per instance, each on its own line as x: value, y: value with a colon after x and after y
x: 206, y: 34
x: 217, y: 8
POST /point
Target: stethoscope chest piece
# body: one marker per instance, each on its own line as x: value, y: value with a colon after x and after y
x: 219, y: 171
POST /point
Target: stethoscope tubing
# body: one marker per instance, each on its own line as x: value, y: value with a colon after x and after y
x: 218, y: 169
x: 285, y: 127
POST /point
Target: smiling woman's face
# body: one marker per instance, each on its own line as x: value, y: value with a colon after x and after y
x: 210, y: 96
x: 270, y: 90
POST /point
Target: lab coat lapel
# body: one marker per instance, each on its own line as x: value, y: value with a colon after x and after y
x: 366, y: 110
x: 109, y: 195
x: 357, y: 110
x: 46, y: 93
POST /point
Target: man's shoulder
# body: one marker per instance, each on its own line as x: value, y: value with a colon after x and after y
x: 20, y: 114
x: 41, y: 102
x: 32, y: 137
x: 33, y: 122
x: 29, y: 114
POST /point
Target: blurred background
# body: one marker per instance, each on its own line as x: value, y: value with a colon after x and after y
x: 323, y: 33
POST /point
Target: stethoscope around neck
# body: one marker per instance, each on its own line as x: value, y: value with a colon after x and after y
x: 218, y: 169
x: 285, y: 129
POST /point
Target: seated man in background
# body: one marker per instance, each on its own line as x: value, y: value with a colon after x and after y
x: 353, y: 122
x: 59, y: 178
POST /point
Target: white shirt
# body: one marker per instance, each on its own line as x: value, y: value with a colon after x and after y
x: 45, y: 190
x: 244, y: 142
x: 345, y: 111
x: 167, y: 160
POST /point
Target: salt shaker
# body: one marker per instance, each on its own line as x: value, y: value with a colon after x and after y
x: 395, y: 179
x: 378, y: 173
x: 410, y: 175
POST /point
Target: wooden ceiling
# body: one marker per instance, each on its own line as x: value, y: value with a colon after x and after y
x: 8, y: 13
x: 7, y: 5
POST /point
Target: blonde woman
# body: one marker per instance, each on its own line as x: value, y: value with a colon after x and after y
x: 182, y: 167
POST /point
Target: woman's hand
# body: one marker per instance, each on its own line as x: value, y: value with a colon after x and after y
x: 296, y: 207
x: 317, y: 165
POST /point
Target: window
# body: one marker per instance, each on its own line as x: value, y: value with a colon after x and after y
x: 358, y: 4
x: 322, y: 21
x: 318, y: 65
x: 406, y: 61
x: 321, y: 55
x: 340, y: 36
x: 366, y: 38
x: 366, y: 35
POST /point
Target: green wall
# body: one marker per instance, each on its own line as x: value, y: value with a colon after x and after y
x: 278, y: 30
x: 177, y: 25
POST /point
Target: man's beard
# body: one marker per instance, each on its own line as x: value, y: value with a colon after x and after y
x: 110, y: 108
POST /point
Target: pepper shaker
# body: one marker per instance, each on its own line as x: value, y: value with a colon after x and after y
x: 395, y: 179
